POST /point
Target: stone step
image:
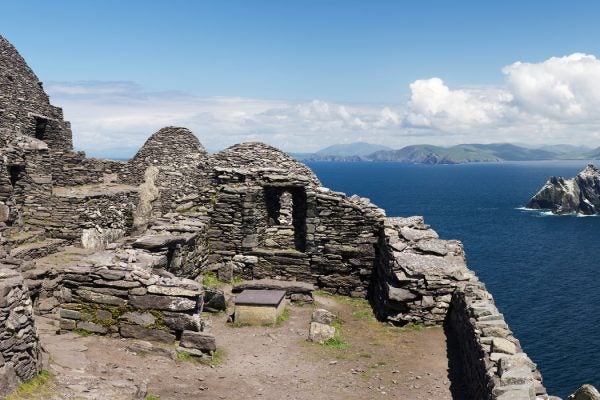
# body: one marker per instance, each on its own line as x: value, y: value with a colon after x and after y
x: 21, y: 237
x: 33, y: 250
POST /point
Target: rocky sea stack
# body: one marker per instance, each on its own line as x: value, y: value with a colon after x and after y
x: 580, y: 194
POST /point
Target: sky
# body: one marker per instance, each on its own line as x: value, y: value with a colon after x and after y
x: 302, y: 75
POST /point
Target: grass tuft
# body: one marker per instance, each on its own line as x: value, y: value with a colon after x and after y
x: 210, y: 280
x: 185, y: 356
x: 82, y: 332
x: 413, y: 327
x: 336, y: 342
x: 285, y: 315
x: 38, y: 385
x: 152, y: 397
x: 218, y: 357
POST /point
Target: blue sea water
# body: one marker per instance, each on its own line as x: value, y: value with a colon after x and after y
x: 543, y: 270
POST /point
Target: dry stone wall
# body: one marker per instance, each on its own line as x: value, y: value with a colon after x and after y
x: 70, y: 210
x: 424, y: 280
x: 181, y: 241
x: 493, y: 363
x: 20, y: 353
x: 25, y: 108
x: 129, y: 294
x: 72, y: 168
x: 417, y: 273
x: 323, y: 237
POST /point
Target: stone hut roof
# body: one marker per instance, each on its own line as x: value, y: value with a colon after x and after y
x: 182, y: 161
x: 171, y: 148
x: 258, y: 157
x: 23, y: 102
x: 17, y: 79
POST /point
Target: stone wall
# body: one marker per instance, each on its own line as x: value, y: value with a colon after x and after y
x: 416, y: 273
x: 128, y: 294
x: 181, y: 241
x: 493, y: 364
x: 20, y: 353
x: 25, y: 108
x: 70, y: 210
x: 72, y: 168
x: 273, y: 225
x: 421, y: 279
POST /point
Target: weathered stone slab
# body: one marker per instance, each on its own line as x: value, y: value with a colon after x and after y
x: 323, y: 316
x: 273, y: 284
x: 415, y: 235
x: 153, y: 242
x: 500, y: 345
x: 140, y: 332
x: 251, y: 297
x: 139, y: 318
x: 91, y: 327
x: 400, y: 294
x: 94, y: 297
x: 174, y: 291
x: 157, y: 302
x: 198, y: 340
x: 214, y: 299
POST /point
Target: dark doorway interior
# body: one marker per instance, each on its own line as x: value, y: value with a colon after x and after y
x: 40, y: 128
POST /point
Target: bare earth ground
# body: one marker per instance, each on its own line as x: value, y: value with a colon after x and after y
x: 260, y: 362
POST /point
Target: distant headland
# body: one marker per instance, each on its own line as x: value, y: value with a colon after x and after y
x: 458, y: 154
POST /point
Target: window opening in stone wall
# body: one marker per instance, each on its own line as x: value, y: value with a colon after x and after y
x: 286, y: 206
x: 15, y: 173
x: 40, y: 128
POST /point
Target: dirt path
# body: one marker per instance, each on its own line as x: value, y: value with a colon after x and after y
x: 262, y: 362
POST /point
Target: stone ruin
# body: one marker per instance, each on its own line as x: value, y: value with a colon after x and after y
x: 121, y: 248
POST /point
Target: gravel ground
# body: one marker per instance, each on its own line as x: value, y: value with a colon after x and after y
x: 260, y: 362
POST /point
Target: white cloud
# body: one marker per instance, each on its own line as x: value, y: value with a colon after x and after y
x: 433, y: 104
x: 563, y: 88
x: 553, y: 101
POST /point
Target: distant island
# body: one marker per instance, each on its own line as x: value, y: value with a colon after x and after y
x: 462, y: 153
x: 580, y: 194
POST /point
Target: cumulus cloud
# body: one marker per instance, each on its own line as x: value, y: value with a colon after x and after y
x: 560, y: 88
x: 433, y: 104
x: 552, y: 101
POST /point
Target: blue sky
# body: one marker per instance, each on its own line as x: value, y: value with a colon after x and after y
x: 321, y: 55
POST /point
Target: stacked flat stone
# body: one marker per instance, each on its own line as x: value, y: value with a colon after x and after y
x: 181, y: 240
x: 20, y: 354
x: 330, y: 245
x: 109, y: 296
x: 494, y: 364
x: 22, y: 99
x: 422, y: 279
x: 417, y: 272
x: 258, y: 156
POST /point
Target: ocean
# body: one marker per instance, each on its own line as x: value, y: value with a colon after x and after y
x: 543, y: 270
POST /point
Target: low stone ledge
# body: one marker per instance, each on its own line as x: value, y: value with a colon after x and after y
x: 295, y: 290
x: 129, y: 301
x: 198, y: 341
